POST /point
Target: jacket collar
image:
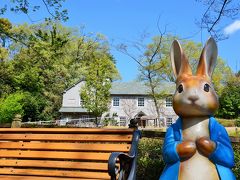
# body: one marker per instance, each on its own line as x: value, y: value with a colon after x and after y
x: 178, y: 128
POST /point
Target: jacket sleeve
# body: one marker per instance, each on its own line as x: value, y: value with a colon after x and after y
x: 223, y: 154
x: 170, y: 154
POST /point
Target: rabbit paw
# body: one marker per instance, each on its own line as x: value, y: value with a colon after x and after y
x: 186, y: 149
x: 205, y: 146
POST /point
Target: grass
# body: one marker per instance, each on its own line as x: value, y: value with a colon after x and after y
x: 227, y: 122
x: 234, y: 131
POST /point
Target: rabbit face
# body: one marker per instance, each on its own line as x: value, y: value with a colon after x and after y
x: 195, y: 95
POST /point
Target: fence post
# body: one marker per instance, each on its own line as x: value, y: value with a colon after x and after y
x: 16, y: 123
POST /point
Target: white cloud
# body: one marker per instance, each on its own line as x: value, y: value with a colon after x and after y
x: 232, y: 28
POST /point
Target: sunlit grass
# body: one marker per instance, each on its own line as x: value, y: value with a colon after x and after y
x: 234, y: 131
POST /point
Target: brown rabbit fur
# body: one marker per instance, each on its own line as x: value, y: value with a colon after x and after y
x: 194, y: 100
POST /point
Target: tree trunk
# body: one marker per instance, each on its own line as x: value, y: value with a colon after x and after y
x: 96, y: 121
x: 154, y: 95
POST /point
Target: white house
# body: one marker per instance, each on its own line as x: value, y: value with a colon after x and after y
x: 128, y: 100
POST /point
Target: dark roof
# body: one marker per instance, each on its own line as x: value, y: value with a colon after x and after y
x: 138, y: 88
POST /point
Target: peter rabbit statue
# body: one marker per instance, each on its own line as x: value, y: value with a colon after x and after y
x: 196, y: 147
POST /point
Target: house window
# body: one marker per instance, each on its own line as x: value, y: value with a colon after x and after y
x: 85, y: 117
x: 81, y: 103
x: 169, y: 102
x: 123, y: 121
x: 71, y: 102
x: 141, y: 101
x: 169, y: 122
x: 116, y: 101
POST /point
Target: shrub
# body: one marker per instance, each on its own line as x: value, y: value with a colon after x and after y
x: 237, y: 122
x: 230, y: 99
x: 41, y: 126
x: 10, y: 106
x: 33, y: 107
x: 236, y: 169
x: 151, y: 164
x: 110, y: 122
x: 150, y: 161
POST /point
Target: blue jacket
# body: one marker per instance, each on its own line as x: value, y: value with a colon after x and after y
x: 222, y: 157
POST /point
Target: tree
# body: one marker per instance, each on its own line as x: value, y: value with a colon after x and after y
x: 154, y: 64
x: 5, y: 27
x: 151, y: 63
x: 193, y: 50
x: 33, y: 107
x: 129, y: 107
x: 237, y: 74
x: 40, y: 66
x: 221, y: 75
x: 230, y: 99
x: 222, y: 71
x: 6, y: 79
x: 99, y: 74
x: 216, y: 12
x: 45, y: 59
x: 10, y: 106
x: 53, y: 8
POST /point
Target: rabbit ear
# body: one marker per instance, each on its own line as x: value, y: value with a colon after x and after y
x: 179, y: 61
x: 208, y: 59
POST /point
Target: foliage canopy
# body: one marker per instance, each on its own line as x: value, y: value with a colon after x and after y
x: 42, y: 60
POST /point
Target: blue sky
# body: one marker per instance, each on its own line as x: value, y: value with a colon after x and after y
x: 126, y: 20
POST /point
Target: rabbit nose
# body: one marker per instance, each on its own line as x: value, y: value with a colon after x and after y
x: 193, y: 98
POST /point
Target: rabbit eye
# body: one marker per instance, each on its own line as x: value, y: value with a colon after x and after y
x: 206, y: 87
x: 180, y: 88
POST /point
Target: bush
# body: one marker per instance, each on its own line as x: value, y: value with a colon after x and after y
x: 33, y: 107
x: 229, y: 100
x: 10, y: 106
x: 150, y: 161
x: 110, y: 122
x: 151, y: 164
x: 40, y: 126
x: 237, y: 122
x: 236, y: 169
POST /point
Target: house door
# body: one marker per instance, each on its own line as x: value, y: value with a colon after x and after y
x: 141, y: 122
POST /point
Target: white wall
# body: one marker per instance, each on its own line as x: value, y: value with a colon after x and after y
x: 71, y: 98
x: 128, y: 104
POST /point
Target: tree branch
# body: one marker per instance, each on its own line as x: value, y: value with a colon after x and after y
x: 48, y: 8
x: 204, y: 15
x: 125, y: 51
x: 219, y: 16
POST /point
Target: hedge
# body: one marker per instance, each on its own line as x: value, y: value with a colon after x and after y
x: 151, y: 164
